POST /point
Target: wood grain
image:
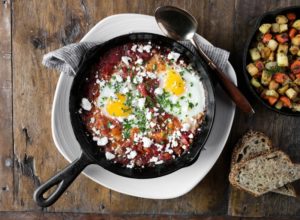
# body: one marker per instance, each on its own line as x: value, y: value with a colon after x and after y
x: 58, y: 24
x: 6, y: 136
x: 280, y: 128
x: 28, y: 155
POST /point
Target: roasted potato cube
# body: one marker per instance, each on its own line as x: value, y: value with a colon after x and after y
x: 275, y: 28
x: 266, y: 78
x: 283, y: 48
x: 254, y: 53
x: 281, y: 19
x: 265, y: 53
x: 296, y: 40
x: 283, y: 89
x: 296, y: 107
x: 271, y: 92
x: 272, y: 56
x: 294, y: 49
x: 282, y: 60
x: 298, y: 54
x: 297, y: 81
x: 272, y: 44
x: 273, y: 85
x: 291, y: 93
x: 255, y: 83
x: 252, y: 69
x: 283, y: 28
x: 296, y: 24
x: 264, y: 28
x: 270, y: 65
x: 260, y: 46
x: 278, y: 104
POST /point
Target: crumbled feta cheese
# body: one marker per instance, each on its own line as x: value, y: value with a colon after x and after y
x: 128, y: 149
x: 183, y: 147
x: 132, y: 154
x: 140, y: 48
x: 92, y: 120
x: 109, y: 156
x: 139, y: 61
x: 148, y: 115
x: 151, y: 75
x: 173, y: 56
x: 119, y: 78
x: 159, y: 147
x: 124, y: 90
x: 158, y: 91
x: 141, y: 102
x: 174, y: 143
x: 152, y: 124
x: 191, y: 136
x: 147, y: 48
x: 139, y: 79
x: 133, y: 48
x: 155, y: 109
x: 125, y: 60
x: 153, y: 159
x: 159, y: 162
x: 146, y: 142
x: 85, y: 104
x: 185, y: 127
x: 102, y: 141
x: 130, y: 166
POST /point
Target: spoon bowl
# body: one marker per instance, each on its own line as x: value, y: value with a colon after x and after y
x: 178, y: 24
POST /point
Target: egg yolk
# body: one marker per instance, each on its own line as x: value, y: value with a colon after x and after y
x: 117, y: 108
x: 174, y: 83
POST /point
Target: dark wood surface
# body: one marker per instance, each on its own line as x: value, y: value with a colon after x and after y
x: 31, y: 28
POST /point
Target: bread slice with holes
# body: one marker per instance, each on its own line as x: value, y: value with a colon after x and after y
x: 264, y: 173
x: 252, y: 144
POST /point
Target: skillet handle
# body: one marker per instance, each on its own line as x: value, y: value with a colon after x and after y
x: 62, y: 179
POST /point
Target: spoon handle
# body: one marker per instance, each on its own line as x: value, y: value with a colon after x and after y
x: 233, y: 92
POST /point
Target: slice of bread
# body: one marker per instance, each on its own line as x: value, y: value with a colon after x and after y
x: 264, y: 173
x: 252, y: 144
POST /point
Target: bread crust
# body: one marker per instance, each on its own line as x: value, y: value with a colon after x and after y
x: 243, y: 140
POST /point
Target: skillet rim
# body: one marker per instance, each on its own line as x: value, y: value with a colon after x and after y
x: 157, y: 170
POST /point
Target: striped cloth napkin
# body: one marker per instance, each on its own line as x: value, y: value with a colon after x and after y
x: 67, y: 58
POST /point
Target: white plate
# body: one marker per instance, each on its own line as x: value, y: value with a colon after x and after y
x: 165, y: 187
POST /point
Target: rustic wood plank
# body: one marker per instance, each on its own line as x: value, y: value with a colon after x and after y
x: 6, y: 136
x: 51, y: 25
x: 280, y: 128
x: 78, y: 216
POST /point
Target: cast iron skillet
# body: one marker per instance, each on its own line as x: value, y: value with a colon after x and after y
x: 268, y: 17
x: 90, y: 151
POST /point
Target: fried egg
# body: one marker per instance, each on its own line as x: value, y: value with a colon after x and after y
x: 181, y: 92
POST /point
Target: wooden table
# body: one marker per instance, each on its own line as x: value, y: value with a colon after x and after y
x: 31, y: 28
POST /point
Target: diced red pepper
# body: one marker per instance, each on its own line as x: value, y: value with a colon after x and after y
x: 286, y: 101
x: 291, y: 16
x: 292, y: 33
x: 295, y: 67
x: 272, y: 100
x: 280, y: 77
x: 282, y: 38
x: 267, y: 37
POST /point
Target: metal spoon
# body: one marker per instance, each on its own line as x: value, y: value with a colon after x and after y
x: 181, y: 25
